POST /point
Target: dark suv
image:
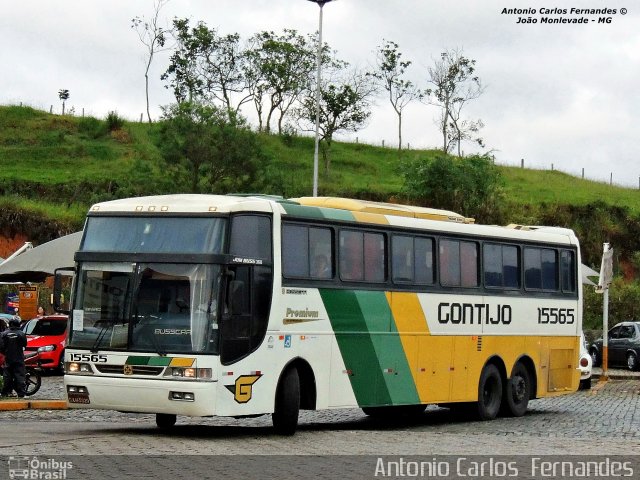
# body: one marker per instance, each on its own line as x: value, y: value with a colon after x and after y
x: 624, y: 346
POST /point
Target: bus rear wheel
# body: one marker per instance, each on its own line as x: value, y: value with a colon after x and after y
x: 287, y: 405
x: 165, y: 421
x: 489, y: 393
x: 517, y: 392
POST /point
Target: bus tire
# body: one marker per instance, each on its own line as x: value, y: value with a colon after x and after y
x: 165, y: 421
x: 287, y: 405
x: 489, y: 393
x: 517, y: 392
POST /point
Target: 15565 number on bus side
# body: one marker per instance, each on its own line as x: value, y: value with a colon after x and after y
x: 560, y: 316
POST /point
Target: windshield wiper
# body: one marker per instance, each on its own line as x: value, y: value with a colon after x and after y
x: 101, y: 335
x: 157, y: 346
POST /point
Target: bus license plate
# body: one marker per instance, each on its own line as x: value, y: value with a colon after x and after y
x: 79, y: 398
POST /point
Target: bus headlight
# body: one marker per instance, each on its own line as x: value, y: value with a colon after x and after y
x: 189, y: 373
x: 77, y: 367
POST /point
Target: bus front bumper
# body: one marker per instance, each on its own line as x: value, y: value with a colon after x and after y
x: 192, y: 398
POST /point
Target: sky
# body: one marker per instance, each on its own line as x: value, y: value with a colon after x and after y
x: 560, y: 95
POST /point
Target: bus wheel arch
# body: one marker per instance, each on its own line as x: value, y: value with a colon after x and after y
x: 296, y: 390
x: 490, y: 391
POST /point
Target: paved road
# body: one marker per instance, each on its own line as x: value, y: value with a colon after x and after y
x: 100, y: 444
x: 602, y: 421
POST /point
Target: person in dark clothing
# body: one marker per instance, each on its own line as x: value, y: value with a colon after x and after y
x: 12, y: 344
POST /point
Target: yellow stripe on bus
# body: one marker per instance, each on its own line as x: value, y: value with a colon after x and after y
x: 370, y: 218
x: 181, y: 362
x: 412, y: 328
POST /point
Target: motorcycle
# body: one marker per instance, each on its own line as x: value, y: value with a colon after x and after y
x: 33, y: 373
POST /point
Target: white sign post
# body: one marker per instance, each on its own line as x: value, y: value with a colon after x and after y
x: 606, y: 275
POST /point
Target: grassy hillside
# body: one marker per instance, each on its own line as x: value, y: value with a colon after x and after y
x: 55, y: 167
x: 532, y: 187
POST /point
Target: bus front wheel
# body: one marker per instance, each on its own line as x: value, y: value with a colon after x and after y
x: 287, y: 406
x: 517, y: 392
x: 489, y: 393
x: 165, y: 420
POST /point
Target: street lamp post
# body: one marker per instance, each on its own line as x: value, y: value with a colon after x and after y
x: 321, y: 4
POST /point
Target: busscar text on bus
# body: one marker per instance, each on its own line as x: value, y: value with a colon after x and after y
x: 206, y: 305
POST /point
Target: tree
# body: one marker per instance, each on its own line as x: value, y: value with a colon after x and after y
x: 282, y: 66
x: 207, y: 67
x: 63, y: 94
x: 390, y: 71
x: 344, y: 106
x: 153, y: 36
x: 454, y: 85
x: 470, y: 186
x: 217, y: 153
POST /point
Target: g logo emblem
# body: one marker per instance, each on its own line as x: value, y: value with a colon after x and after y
x: 128, y: 370
x: 243, y: 388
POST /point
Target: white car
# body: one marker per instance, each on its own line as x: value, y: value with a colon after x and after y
x: 584, y: 365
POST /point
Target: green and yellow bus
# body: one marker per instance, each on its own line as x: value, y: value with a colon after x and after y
x: 207, y: 305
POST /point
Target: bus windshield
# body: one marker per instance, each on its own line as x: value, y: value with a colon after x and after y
x: 154, y: 234
x: 152, y: 307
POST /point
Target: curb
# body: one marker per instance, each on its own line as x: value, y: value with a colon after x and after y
x: 12, y: 405
x: 615, y: 376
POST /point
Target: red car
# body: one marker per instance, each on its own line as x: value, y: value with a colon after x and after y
x: 48, y: 336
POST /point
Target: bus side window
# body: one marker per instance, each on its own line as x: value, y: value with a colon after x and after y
x: 320, y: 253
x: 458, y: 263
x: 568, y: 269
x: 402, y: 258
x: 424, y: 261
x: 541, y: 269
x: 532, y: 269
x: 295, y: 251
x: 501, y: 266
x: 374, y: 253
x: 307, y: 252
x: 351, y: 255
x: 251, y: 236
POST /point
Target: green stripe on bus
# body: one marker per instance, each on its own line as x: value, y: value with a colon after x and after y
x: 388, y: 346
x: 155, y: 361
x: 318, y: 212
x: 356, y: 346
x: 159, y: 361
x: 371, y: 347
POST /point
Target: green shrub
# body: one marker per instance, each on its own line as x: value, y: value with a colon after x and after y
x: 114, y: 121
x: 471, y: 186
x: 92, y: 127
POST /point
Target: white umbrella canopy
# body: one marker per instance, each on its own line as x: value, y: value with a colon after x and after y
x: 40, y: 262
x: 586, y: 273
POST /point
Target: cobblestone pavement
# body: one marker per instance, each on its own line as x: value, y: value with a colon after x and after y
x: 605, y: 420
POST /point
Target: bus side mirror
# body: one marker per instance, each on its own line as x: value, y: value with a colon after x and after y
x: 62, y: 282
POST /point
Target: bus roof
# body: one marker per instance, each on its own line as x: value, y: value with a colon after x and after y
x: 331, y: 208
x: 184, y: 203
x: 382, y: 208
x: 427, y: 219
